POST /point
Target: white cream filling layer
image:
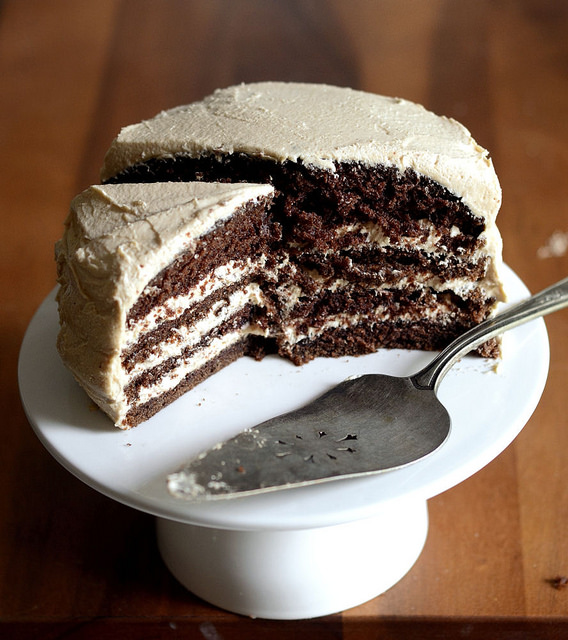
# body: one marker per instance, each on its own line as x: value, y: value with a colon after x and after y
x: 293, y: 334
x: 189, y: 335
x: 173, y: 378
x: 224, y: 276
x: 428, y: 242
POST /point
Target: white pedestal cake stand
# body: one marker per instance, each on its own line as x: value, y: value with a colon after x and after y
x: 291, y: 554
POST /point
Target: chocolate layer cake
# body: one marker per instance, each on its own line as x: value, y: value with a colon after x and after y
x: 381, y: 232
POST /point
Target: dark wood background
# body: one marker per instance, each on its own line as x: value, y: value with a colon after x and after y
x: 75, y: 564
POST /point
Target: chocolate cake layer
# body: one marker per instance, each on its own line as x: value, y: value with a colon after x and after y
x: 363, y: 339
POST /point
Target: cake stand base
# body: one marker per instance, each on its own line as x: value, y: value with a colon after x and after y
x: 296, y: 574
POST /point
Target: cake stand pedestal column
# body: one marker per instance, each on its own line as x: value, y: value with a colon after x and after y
x: 295, y: 574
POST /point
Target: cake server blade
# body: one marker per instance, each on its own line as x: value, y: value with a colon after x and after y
x: 365, y: 425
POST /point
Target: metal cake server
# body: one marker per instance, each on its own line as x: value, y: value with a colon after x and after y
x: 364, y: 425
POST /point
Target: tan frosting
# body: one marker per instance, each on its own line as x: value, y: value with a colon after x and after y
x: 116, y: 239
x: 317, y: 125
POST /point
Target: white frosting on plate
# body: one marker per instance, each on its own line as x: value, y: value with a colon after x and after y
x: 319, y: 126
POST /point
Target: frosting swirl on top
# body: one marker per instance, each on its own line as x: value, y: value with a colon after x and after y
x: 319, y: 126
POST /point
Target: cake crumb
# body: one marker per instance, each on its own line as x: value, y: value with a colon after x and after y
x: 556, y: 246
x: 560, y: 582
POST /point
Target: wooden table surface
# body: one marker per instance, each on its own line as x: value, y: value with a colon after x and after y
x: 75, y: 564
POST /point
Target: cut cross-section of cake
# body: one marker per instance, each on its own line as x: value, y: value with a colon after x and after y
x: 158, y: 288
x: 387, y: 210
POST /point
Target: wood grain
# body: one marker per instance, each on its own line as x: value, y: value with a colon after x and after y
x: 77, y: 565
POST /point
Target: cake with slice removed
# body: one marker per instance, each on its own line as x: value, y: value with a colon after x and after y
x: 376, y: 229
